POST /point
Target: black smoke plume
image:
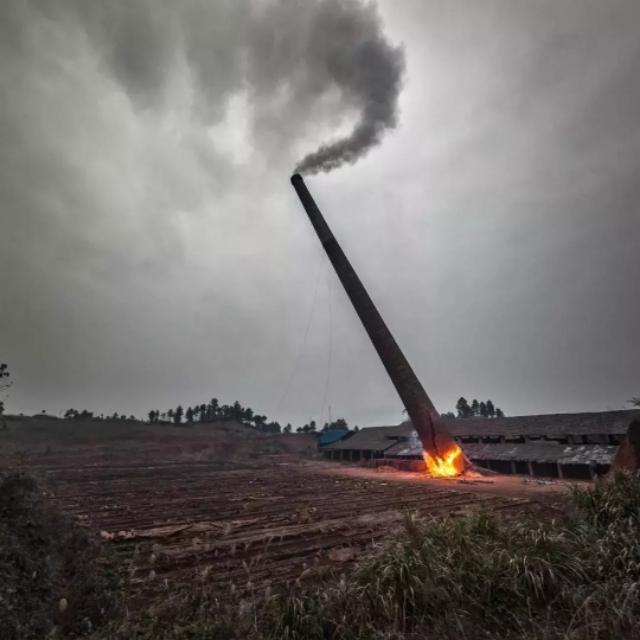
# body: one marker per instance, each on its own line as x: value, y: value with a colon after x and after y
x: 304, y: 65
x: 367, y: 69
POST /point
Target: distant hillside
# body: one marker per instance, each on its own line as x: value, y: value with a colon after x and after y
x: 43, y: 440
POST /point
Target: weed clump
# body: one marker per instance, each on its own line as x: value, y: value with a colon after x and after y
x: 54, y: 581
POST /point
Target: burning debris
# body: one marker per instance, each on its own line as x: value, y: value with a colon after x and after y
x: 442, y: 455
x: 447, y: 464
x: 450, y: 464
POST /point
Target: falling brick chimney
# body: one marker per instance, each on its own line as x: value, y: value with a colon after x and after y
x: 435, y: 438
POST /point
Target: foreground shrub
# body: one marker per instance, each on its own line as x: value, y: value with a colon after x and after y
x: 610, y: 501
x: 53, y: 581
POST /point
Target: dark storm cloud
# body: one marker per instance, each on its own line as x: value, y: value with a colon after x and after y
x: 123, y: 124
x: 152, y: 252
x: 304, y: 50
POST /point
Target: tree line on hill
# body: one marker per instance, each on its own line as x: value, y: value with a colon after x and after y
x: 483, y: 409
x: 74, y: 414
x: 213, y: 411
x: 339, y: 424
x: 209, y: 412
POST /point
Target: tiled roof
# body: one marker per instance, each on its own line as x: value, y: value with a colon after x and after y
x: 405, y: 448
x: 527, y: 452
x: 543, y: 452
x: 373, y: 438
x: 551, y: 425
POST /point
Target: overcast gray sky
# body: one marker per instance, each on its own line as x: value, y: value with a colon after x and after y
x: 153, y: 252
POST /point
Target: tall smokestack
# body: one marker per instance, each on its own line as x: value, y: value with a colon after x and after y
x: 435, y: 438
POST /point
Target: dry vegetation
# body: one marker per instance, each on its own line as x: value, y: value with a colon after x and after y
x: 52, y: 574
x: 261, y: 545
x: 485, y: 577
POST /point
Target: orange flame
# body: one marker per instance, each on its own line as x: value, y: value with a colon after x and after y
x: 446, y: 466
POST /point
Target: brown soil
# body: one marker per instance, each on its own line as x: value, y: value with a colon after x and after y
x: 243, y: 513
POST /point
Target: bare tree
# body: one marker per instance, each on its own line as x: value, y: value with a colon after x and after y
x: 5, y: 383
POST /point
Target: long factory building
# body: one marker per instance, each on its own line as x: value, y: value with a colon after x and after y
x: 566, y: 445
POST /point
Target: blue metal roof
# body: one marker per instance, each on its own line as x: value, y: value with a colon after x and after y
x: 329, y: 437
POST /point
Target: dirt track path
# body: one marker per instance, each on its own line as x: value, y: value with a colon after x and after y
x: 496, y: 484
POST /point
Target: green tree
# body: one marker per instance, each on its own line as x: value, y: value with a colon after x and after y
x: 499, y: 413
x: 212, y: 409
x: 340, y: 424
x: 237, y: 411
x: 483, y: 409
x: 475, y: 407
x: 273, y: 427
x: 463, y: 408
x: 491, y: 410
x: 287, y: 428
x: 177, y: 414
x: 189, y: 415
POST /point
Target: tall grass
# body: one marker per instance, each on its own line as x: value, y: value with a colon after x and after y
x: 53, y: 579
x: 472, y: 578
x: 485, y: 577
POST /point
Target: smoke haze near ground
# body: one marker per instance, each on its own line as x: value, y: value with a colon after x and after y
x: 152, y: 251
